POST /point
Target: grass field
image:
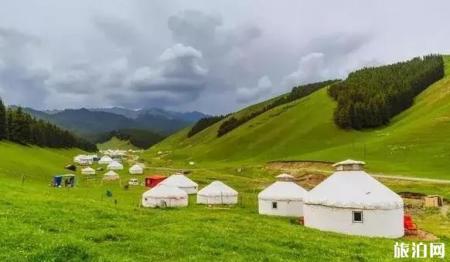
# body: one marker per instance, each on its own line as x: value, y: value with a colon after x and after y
x: 415, y: 143
x: 40, y: 223
x: 115, y: 143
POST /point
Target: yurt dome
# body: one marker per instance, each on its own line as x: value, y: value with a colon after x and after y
x: 165, y: 196
x: 88, y: 171
x: 282, y: 198
x: 182, y: 182
x: 353, y: 202
x: 105, y: 160
x: 114, y: 165
x: 111, y: 175
x: 217, y: 193
x: 136, y: 169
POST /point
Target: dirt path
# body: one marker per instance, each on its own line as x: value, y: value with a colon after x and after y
x: 419, y: 179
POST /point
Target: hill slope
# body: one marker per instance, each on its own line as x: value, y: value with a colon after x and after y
x: 415, y: 142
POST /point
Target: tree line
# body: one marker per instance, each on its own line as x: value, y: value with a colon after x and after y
x: 20, y: 127
x: 138, y: 137
x: 370, y: 97
x: 203, y: 124
x: 296, y: 93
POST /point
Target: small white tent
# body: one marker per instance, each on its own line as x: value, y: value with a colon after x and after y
x: 105, y: 160
x: 165, y: 196
x: 182, y: 182
x: 88, y: 171
x: 136, y: 170
x: 111, y: 175
x: 352, y: 202
x: 217, y: 193
x: 114, y: 165
x: 282, y: 198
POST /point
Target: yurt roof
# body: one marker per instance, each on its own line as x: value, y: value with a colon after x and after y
x: 349, y: 162
x: 217, y: 188
x: 105, y: 158
x: 179, y: 180
x: 136, y: 167
x: 115, y: 163
x: 111, y: 173
x: 353, y: 189
x: 165, y: 191
x: 283, y: 190
x: 87, y: 169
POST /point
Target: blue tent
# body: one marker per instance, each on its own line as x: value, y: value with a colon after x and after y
x: 57, y: 180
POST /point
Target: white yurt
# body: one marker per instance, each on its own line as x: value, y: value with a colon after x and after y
x: 110, y: 176
x: 282, y: 198
x: 182, y: 182
x: 165, y: 196
x: 351, y: 201
x: 217, y: 193
x: 105, y: 160
x: 114, y: 165
x: 88, y: 171
x: 136, y: 170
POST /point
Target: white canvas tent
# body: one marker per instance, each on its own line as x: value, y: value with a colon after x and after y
x: 105, y: 160
x: 110, y: 176
x: 282, y: 198
x: 165, y: 196
x: 83, y: 159
x: 352, y: 202
x: 182, y: 182
x: 217, y: 193
x: 88, y: 171
x: 136, y: 169
x: 114, y: 165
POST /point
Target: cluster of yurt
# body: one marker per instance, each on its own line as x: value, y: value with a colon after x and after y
x: 174, y: 192
x: 350, y: 201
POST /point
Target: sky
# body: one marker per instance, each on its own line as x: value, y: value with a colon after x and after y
x: 211, y: 56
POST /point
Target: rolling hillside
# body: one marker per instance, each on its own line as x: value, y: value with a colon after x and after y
x: 415, y: 143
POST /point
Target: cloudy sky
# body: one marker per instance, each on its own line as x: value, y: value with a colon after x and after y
x: 212, y: 56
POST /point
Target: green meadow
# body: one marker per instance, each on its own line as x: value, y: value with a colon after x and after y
x: 42, y: 223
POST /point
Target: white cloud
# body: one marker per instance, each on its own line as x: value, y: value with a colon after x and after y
x: 250, y: 94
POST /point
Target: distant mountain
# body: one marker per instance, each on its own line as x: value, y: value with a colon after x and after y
x: 90, y: 122
x: 190, y: 117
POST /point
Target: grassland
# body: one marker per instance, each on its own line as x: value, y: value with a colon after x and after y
x: 415, y: 143
x: 41, y: 223
x: 116, y: 143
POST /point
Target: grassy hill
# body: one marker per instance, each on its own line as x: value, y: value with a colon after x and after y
x: 415, y: 143
x: 115, y: 143
x: 41, y: 223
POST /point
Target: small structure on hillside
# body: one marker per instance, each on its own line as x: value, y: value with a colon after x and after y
x: 105, y: 160
x: 88, y: 171
x: 64, y: 180
x: 83, y: 160
x: 282, y: 198
x: 136, y: 170
x: 71, y: 167
x: 217, y: 193
x: 165, y: 196
x: 111, y: 176
x: 351, y: 201
x: 433, y: 201
x: 182, y: 182
x: 114, y: 165
x: 154, y: 180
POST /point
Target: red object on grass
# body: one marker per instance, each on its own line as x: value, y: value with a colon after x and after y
x: 408, y: 223
x: 152, y: 181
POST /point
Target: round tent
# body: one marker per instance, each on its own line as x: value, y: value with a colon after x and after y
x: 136, y: 170
x: 88, y: 171
x: 352, y: 202
x: 282, y: 198
x: 165, y: 196
x: 105, y: 160
x: 217, y: 193
x: 110, y: 176
x: 115, y: 166
x: 182, y: 182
